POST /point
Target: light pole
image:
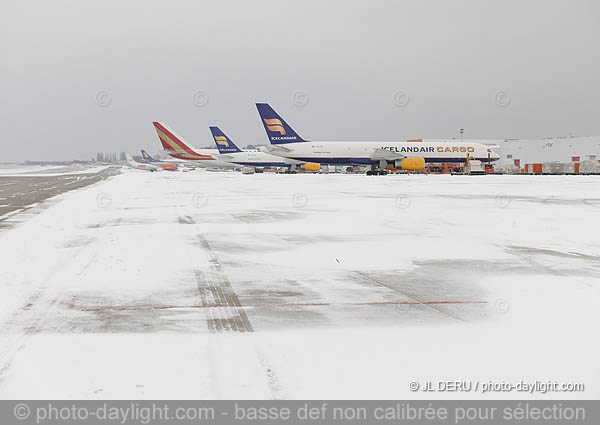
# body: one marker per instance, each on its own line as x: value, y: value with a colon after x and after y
x: 462, y: 130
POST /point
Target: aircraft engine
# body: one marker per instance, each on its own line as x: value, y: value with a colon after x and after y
x: 410, y: 164
x: 312, y: 166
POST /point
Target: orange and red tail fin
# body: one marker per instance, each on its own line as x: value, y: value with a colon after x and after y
x: 175, y: 145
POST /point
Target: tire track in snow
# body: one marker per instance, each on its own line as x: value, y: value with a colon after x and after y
x: 30, y: 318
x: 236, y: 319
x: 272, y: 379
x: 215, y: 285
x: 216, y: 291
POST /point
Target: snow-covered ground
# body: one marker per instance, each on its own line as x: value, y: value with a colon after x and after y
x: 223, y: 285
x: 49, y: 170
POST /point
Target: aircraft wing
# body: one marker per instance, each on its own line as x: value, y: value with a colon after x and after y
x: 379, y: 154
x: 274, y: 148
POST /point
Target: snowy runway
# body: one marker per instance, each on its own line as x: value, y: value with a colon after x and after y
x: 22, y: 191
x: 223, y: 285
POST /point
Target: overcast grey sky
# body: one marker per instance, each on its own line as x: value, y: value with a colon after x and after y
x: 501, y: 69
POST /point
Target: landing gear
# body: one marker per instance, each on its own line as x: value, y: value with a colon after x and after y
x: 376, y: 171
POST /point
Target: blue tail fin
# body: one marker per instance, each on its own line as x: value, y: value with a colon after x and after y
x: 224, y: 143
x: 146, y: 156
x: 277, y: 129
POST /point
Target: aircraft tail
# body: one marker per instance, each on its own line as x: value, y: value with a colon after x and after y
x: 130, y: 160
x: 175, y: 145
x: 224, y: 143
x: 146, y: 156
x: 277, y: 129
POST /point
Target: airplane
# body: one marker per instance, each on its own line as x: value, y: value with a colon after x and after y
x: 254, y: 158
x: 141, y: 166
x: 165, y: 165
x: 176, y: 147
x: 408, y: 155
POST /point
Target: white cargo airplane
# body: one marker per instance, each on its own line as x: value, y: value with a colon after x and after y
x: 141, y: 166
x: 252, y: 158
x: 406, y: 155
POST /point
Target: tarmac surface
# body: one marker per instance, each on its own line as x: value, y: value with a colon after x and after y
x: 20, y: 193
x: 224, y: 285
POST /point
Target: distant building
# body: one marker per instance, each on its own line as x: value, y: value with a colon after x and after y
x: 561, y: 149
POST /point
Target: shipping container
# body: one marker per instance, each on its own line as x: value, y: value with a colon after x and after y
x: 589, y: 167
x: 567, y: 168
x: 553, y: 167
x: 509, y: 169
x: 556, y: 167
x: 546, y: 168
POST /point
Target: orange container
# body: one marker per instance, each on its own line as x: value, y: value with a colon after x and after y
x: 537, y: 169
x: 577, y: 168
x: 526, y: 168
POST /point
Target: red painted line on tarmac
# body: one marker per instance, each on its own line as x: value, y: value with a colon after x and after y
x: 167, y: 307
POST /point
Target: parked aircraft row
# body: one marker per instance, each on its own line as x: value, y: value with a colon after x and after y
x: 141, y: 165
x: 288, y: 149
